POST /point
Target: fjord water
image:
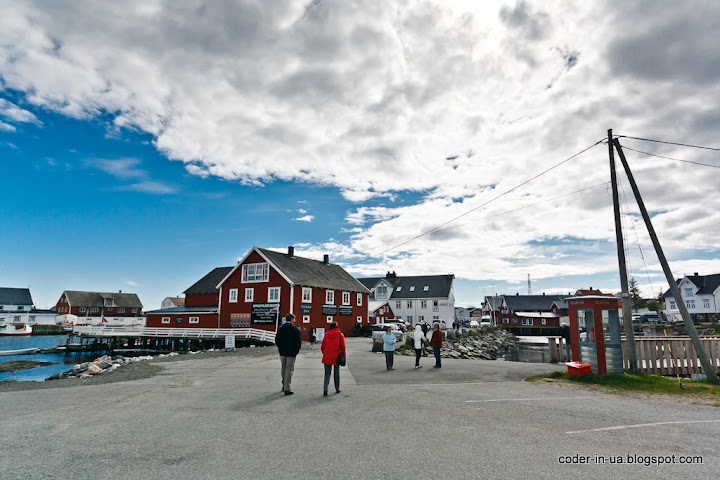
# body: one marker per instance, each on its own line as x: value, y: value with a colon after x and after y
x: 61, y: 361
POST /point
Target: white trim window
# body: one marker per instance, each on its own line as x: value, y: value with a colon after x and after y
x: 423, y: 303
x: 255, y: 272
x: 249, y: 294
x: 165, y: 320
x: 232, y: 295
x: 409, y: 304
x: 359, y: 319
x: 273, y: 294
x: 93, y: 310
x: 421, y: 319
x: 329, y: 319
x: 134, y: 310
x: 194, y: 320
x: 359, y: 299
x: 121, y: 310
x: 398, y: 304
x: 688, y: 292
x: 329, y: 297
x: 306, y: 295
x: 690, y: 303
x: 346, y: 298
x: 306, y: 318
x: 544, y: 322
x: 672, y: 305
x: 82, y: 309
x: 706, y: 303
x: 409, y: 319
x: 527, y: 321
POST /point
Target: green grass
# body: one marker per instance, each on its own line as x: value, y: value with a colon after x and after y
x: 716, y: 327
x: 405, y: 347
x: 636, y: 382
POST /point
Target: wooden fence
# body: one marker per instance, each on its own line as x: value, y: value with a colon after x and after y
x: 671, y: 355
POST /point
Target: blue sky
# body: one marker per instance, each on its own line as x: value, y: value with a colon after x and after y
x: 138, y: 162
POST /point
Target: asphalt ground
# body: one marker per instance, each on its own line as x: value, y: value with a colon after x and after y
x: 223, y: 416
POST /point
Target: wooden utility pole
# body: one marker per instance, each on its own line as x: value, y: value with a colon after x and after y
x: 707, y: 366
x: 625, y: 296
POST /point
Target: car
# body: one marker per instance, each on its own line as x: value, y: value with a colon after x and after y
x: 474, y: 323
x: 485, y: 321
x: 379, y: 330
x: 366, y: 330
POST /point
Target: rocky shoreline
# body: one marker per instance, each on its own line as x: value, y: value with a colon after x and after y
x: 468, y: 345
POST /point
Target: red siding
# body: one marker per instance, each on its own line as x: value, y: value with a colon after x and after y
x: 206, y: 320
x: 201, y: 299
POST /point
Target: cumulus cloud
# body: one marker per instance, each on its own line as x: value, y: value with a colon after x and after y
x: 456, y: 104
x: 128, y: 169
x: 305, y: 218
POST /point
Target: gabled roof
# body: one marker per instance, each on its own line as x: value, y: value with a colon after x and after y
x: 307, y: 272
x: 438, y: 285
x: 208, y: 284
x: 707, y: 284
x: 97, y: 299
x: 15, y: 296
x: 525, y: 303
x: 493, y: 302
x: 177, y: 301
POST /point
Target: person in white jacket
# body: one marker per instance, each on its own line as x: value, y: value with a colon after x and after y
x: 420, y: 340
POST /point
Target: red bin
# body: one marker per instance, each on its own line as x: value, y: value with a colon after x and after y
x: 578, y: 368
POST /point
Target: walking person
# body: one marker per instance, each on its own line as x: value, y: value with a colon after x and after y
x: 565, y: 334
x: 313, y: 337
x: 420, y: 341
x: 288, y: 341
x: 389, y: 341
x: 332, y: 346
x: 436, y: 344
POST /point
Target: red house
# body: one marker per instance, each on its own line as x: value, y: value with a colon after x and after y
x: 381, y: 312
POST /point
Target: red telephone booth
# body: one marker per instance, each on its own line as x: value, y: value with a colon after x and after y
x: 595, y: 332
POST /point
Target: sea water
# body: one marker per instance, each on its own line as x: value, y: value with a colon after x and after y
x: 61, y: 362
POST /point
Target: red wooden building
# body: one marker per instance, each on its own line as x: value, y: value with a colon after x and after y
x: 264, y: 287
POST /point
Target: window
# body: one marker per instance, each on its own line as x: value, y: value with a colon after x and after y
x: 109, y: 302
x: 435, y: 318
x: 505, y: 320
x: 178, y: 320
x: 306, y: 318
x: 359, y: 299
x: 398, y: 304
x: 255, y: 272
x: 398, y: 289
x: 306, y: 295
x: 274, y: 294
x: 165, y: 319
x: 381, y: 291
x: 412, y: 288
x: 194, y: 319
x: 109, y: 309
x: 346, y: 298
x: 544, y: 322
x: 423, y: 304
x: 121, y: 310
x: 329, y: 297
x: 233, y: 295
x: 398, y: 317
x: 421, y: 319
x: 672, y: 305
x: 426, y: 288
x: 409, y: 319
x: 409, y: 304
x: 93, y: 310
x: 706, y: 303
x: 249, y: 294
x: 688, y: 292
x: 690, y: 303
x: 435, y: 306
x: 527, y: 321
x: 329, y: 319
x: 134, y: 310
x: 82, y: 309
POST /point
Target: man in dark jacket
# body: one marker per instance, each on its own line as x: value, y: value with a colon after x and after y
x: 288, y: 341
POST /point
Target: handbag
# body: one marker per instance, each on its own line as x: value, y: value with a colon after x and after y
x: 341, y: 360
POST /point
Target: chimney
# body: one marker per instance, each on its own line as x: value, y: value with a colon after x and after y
x: 543, y: 294
x: 119, y: 291
x: 291, y: 251
x: 696, y: 274
x: 326, y: 258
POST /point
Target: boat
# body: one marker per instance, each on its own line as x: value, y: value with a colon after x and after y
x: 14, y: 329
x: 23, y: 351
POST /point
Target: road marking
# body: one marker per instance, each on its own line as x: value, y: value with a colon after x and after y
x: 639, y: 425
x: 524, y: 399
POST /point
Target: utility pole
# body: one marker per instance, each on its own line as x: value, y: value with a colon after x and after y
x: 529, y: 285
x: 625, y: 295
x: 708, y: 367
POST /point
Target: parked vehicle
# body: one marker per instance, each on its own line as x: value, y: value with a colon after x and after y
x: 485, y: 321
x: 379, y: 330
x: 474, y: 323
x: 366, y: 330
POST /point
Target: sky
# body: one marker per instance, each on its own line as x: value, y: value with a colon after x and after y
x: 144, y: 143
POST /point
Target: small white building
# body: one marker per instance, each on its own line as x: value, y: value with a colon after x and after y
x: 416, y: 299
x: 172, y: 302
x: 16, y: 306
x: 701, y: 294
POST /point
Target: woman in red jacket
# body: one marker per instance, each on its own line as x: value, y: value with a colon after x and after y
x: 436, y: 344
x: 332, y: 346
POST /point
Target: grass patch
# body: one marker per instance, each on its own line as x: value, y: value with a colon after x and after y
x: 405, y: 347
x: 716, y: 327
x: 636, y: 382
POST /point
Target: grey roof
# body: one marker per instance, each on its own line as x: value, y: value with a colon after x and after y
x: 438, y: 285
x: 15, y: 296
x: 209, y: 282
x: 706, y: 284
x: 493, y: 302
x: 97, y: 299
x: 313, y: 273
x: 184, y: 309
x: 525, y: 303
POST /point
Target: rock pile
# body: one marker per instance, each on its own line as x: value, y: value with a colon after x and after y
x: 104, y: 364
x: 487, y: 347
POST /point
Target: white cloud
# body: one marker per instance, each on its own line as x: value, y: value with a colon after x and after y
x: 305, y: 218
x: 12, y: 113
x: 128, y: 169
x: 302, y: 211
x: 457, y: 103
x: 132, y: 283
x: 4, y: 127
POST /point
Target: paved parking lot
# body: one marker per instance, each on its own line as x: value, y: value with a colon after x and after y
x: 223, y: 416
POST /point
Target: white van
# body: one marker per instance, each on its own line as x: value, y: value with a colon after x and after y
x: 485, y: 321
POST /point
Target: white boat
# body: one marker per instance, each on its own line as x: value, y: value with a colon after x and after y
x: 14, y: 329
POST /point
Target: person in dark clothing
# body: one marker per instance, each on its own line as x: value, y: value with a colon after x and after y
x: 288, y: 341
x: 424, y: 328
x: 565, y: 334
x: 356, y: 329
x: 436, y: 344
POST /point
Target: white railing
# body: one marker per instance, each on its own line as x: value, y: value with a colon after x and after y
x: 253, y: 333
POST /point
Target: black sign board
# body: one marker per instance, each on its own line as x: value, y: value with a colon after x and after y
x: 329, y: 310
x: 264, y: 313
x: 306, y: 308
x: 346, y: 310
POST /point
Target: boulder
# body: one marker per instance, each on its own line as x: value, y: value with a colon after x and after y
x: 93, y: 369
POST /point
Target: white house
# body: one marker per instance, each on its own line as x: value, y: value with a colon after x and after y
x: 172, y: 302
x: 417, y: 299
x: 16, y: 306
x: 701, y: 294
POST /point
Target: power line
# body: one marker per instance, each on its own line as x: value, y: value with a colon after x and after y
x: 669, y: 143
x: 670, y: 158
x: 434, y: 229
